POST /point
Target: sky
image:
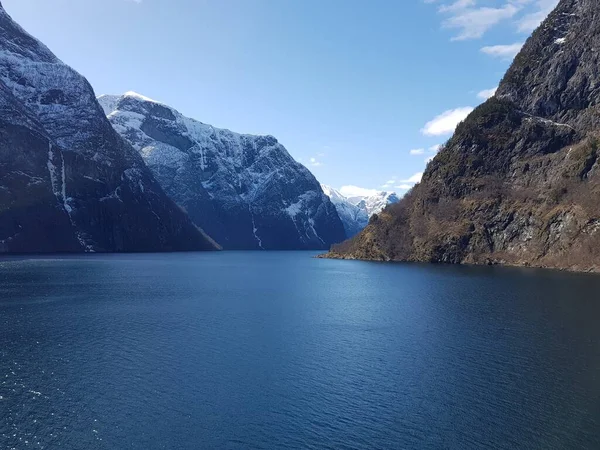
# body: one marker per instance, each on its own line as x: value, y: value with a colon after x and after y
x: 362, y: 93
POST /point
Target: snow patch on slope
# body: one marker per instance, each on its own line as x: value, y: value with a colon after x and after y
x: 236, y: 171
x: 356, y: 211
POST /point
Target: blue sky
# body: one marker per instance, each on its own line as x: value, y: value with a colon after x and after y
x: 360, y: 92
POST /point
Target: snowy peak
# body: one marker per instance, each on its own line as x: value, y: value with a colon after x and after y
x: 246, y: 191
x: 356, y: 211
x: 376, y: 203
x: 140, y: 97
x: 87, y: 190
x: 112, y: 103
x: 332, y: 193
x: 108, y: 103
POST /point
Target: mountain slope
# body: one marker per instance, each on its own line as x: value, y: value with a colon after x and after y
x: 518, y: 182
x: 246, y: 191
x: 374, y: 204
x: 356, y: 211
x: 69, y: 182
x: 32, y: 216
x: 353, y: 218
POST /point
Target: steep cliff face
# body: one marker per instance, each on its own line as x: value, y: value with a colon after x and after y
x: 68, y: 182
x: 32, y: 214
x: 518, y: 182
x: 246, y: 191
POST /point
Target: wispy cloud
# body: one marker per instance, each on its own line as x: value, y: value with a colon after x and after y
x: 317, y: 159
x: 314, y: 162
x: 487, y: 93
x: 473, y: 21
x: 389, y: 183
x: 421, y: 151
x: 503, y: 51
x: 433, y: 149
x: 416, y: 178
x: 393, y: 184
x: 530, y: 22
x: 355, y: 191
x: 446, y: 122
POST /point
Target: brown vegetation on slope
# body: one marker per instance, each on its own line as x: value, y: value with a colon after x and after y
x: 518, y: 182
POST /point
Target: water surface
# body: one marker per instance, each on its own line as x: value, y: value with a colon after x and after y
x: 279, y: 350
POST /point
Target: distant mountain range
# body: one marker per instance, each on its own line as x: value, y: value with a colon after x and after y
x: 246, y: 191
x: 356, y: 211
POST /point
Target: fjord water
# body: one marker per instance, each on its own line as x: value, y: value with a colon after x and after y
x: 280, y: 350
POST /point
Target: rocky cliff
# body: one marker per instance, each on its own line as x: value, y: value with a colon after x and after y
x: 518, y: 182
x: 68, y: 181
x: 246, y: 191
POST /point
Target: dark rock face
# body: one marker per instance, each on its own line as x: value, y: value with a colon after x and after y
x: 555, y: 76
x: 517, y: 183
x: 68, y: 182
x: 32, y: 217
x: 246, y: 191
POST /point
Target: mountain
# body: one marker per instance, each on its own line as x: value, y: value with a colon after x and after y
x: 374, y: 204
x: 246, y: 191
x: 353, y: 217
x: 355, y: 211
x: 519, y: 181
x: 68, y: 182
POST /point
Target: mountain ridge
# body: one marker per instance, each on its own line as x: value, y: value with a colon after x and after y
x: 246, y: 191
x: 516, y: 183
x: 73, y: 185
x: 356, y: 211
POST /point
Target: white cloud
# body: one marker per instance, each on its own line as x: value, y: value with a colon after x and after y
x: 416, y: 178
x: 473, y: 22
x: 355, y: 191
x: 503, y: 51
x: 388, y: 184
x: 446, y: 122
x: 457, y: 6
x: 393, y: 183
x: 417, y: 151
x: 314, y: 162
x: 433, y: 149
x: 135, y: 1
x: 530, y: 22
x: 487, y: 93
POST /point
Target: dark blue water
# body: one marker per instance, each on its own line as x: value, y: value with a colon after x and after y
x: 279, y: 350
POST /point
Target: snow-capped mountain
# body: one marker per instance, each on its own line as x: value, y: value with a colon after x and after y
x: 374, y: 204
x: 353, y: 217
x: 356, y: 211
x: 68, y: 182
x: 246, y: 191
